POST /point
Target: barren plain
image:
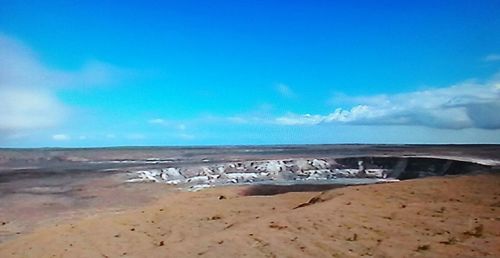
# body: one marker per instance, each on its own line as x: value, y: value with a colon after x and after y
x: 78, y: 203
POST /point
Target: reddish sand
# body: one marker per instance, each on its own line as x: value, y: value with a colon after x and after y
x: 433, y: 217
x: 35, y: 207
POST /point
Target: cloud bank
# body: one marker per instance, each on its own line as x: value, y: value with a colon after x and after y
x: 29, y: 109
x: 492, y: 57
x: 464, y: 105
x: 61, y: 137
x: 28, y: 87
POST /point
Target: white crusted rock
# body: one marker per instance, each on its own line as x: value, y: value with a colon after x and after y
x: 173, y: 182
x: 319, y: 164
x: 272, y: 166
x: 146, y: 176
x: 242, y: 177
x: 198, y: 179
x: 320, y: 174
x: 302, y: 164
x: 172, y: 174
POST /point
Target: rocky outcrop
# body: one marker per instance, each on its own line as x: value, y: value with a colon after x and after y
x: 410, y: 167
x: 304, y: 170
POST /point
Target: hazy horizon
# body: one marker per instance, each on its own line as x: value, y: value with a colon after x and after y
x: 229, y: 73
x: 250, y: 146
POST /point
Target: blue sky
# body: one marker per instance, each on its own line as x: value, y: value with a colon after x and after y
x: 97, y: 73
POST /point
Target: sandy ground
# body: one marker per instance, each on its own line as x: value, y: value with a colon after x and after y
x: 44, y: 202
x: 432, y: 217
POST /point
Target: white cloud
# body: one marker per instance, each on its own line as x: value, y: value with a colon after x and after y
x: 465, y: 105
x: 28, y: 98
x: 293, y: 119
x: 168, y: 123
x: 158, y: 121
x: 21, y: 68
x: 29, y: 109
x: 492, y: 57
x: 181, y: 127
x: 95, y: 72
x: 61, y: 137
x: 285, y: 91
x: 237, y: 120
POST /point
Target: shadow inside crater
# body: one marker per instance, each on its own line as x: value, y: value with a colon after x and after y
x: 261, y: 189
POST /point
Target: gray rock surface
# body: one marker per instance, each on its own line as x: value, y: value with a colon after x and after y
x: 301, y: 170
